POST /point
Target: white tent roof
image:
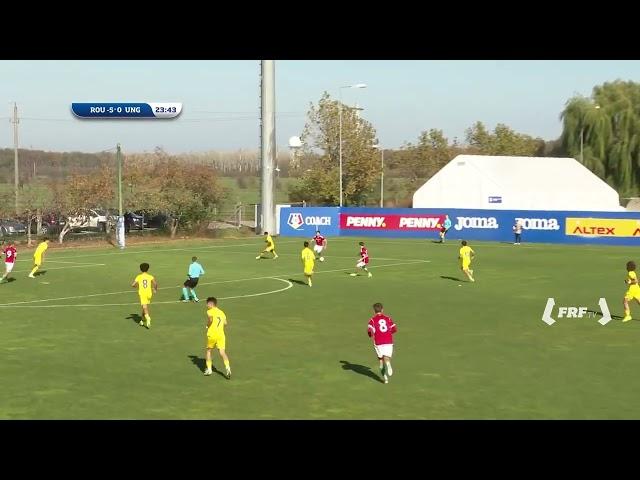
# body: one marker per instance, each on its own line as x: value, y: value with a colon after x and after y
x: 516, y: 183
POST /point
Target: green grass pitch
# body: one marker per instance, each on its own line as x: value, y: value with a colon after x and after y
x: 71, y: 347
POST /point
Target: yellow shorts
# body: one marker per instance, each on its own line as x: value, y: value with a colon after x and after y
x: 37, y: 261
x: 217, y: 341
x: 308, y: 271
x: 465, y: 265
x: 270, y: 249
x: 145, y: 299
x: 632, y: 296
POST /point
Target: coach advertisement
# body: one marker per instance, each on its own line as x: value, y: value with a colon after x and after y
x: 304, y: 221
x: 611, y: 228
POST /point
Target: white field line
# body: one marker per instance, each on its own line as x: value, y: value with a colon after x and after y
x: 329, y: 256
x: 270, y: 292
x: 257, y: 245
x: 499, y: 244
x: 46, y: 269
x: 72, y: 263
x: 30, y: 302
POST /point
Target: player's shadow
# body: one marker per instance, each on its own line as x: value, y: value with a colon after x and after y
x: 135, y: 317
x: 597, y: 312
x: 201, y: 363
x: 9, y: 280
x: 299, y: 282
x: 436, y: 241
x: 451, y: 278
x: 42, y: 272
x: 360, y: 369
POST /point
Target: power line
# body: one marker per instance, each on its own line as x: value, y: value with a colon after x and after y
x: 183, y: 119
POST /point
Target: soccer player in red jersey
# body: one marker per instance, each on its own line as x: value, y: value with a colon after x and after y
x: 9, y: 260
x: 381, y: 329
x: 363, y: 261
x: 320, y: 246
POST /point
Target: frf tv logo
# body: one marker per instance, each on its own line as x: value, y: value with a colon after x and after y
x: 295, y: 220
x: 576, y: 312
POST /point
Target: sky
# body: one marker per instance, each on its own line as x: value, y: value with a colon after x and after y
x: 221, y: 99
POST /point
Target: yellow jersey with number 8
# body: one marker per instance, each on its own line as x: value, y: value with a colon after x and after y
x: 145, y: 282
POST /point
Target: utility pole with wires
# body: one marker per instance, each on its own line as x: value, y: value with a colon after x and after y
x: 16, y: 185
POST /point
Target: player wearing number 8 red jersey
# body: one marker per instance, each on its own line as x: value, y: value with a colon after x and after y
x: 381, y: 329
x: 147, y: 286
x: 9, y: 260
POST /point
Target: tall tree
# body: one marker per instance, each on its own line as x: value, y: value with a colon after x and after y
x: 608, y: 123
x: 79, y: 194
x: 34, y: 198
x: 186, y: 192
x: 320, y: 183
x: 421, y: 161
x: 503, y: 141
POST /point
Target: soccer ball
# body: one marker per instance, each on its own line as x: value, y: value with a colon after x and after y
x: 321, y: 259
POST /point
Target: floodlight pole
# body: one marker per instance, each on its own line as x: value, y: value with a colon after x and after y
x: 268, y: 144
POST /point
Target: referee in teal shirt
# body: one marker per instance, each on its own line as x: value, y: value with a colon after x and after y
x: 195, y: 272
x: 445, y: 228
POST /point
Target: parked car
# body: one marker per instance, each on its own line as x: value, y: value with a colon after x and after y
x: 12, y: 227
x: 154, y: 221
x: 133, y: 220
x: 45, y: 227
x: 95, y: 218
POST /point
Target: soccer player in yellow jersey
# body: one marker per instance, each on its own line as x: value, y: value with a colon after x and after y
x: 308, y: 262
x: 216, y: 321
x: 147, y: 286
x: 271, y: 247
x: 38, y: 257
x: 633, y: 292
x: 465, y: 256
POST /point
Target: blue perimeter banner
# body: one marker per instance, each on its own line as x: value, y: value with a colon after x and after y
x: 304, y: 221
x: 609, y: 228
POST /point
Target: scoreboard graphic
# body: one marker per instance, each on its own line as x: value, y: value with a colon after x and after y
x: 153, y: 110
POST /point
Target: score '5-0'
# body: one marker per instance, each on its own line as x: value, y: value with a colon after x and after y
x: 158, y: 110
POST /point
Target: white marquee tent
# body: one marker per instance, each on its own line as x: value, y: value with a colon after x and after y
x: 516, y: 183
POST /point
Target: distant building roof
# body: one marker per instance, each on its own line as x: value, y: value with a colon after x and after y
x: 516, y: 183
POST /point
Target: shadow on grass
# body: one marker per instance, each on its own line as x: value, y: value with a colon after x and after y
x: 436, y: 241
x: 452, y: 278
x: 299, y: 282
x: 42, y: 272
x: 201, y: 363
x: 360, y: 369
x: 613, y: 317
x: 135, y: 317
x: 9, y: 280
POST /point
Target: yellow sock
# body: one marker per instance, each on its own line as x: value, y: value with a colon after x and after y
x: 35, y: 269
x: 627, y: 311
x: 209, y: 364
x: 226, y: 364
x: 148, y: 319
x: 309, y: 280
